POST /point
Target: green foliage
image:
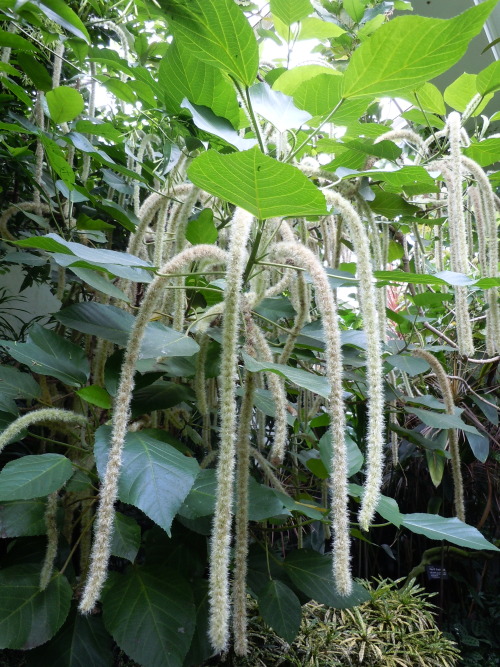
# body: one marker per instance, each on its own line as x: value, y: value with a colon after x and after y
x: 394, y: 626
x: 130, y: 135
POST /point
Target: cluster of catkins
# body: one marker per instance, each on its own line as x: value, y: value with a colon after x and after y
x: 291, y: 250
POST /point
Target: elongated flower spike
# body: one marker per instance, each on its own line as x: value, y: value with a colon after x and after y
x: 109, y: 491
x: 447, y: 393
x: 220, y: 543
x: 404, y: 135
x: 276, y: 386
x: 452, y: 172
x: 487, y: 230
x: 37, y: 417
x: 241, y: 518
x: 52, y: 539
x: 371, y: 324
x: 302, y: 256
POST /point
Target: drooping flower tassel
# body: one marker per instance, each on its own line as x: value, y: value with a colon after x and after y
x: 109, y: 491
x: 276, y: 386
x: 487, y: 226
x: 371, y: 324
x: 52, y: 539
x: 458, y: 234
x: 301, y: 255
x: 447, y: 393
x: 39, y: 416
x: 220, y: 544
x: 241, y: 519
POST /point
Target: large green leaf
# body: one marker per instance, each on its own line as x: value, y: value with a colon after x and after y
x: 217, y: 32
x: 28, y: 616
x: 410, y: 365
x: 321, y: 94
x: 315, y: 383
x: 34, y: 476
x: 155, y: 477
x: 55, y: 243
x: 386, y: 507
x: 64, y: 104
x: 59, y: 12
x: 291, y: 79
x: 15, y: 385
x: 354, y: 456
x: 126, y: 537
x: 46, y: 353
x: 442, y: 421
x: 263, y: 502
x: 160, y: 395
x: 459, y: 93
x: 489, y: 79
x: 81, y: 642
x: 114, y: 324
x: 277, y: 108
x: 182, y: 75
x: 411, y: 50
x: 264, y: 187
x: 311, y: 573
x: 207, y: 121
x: 22, y: 518
x: 484, y: 152
x: 290, y: 11
x: 280, y: 608
x: 451, y: 529
x: 150, y: 613
x: 13, y: 41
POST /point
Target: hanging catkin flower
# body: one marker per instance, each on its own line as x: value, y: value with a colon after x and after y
x: 487, y: 227
x: 371, y: 324
x: 447, y: 393
x: 241, y: 532
x: 298, y: 253
x: 458, y: 233
x: 221, y: 532
x: 276, y: 386
x: 36, y: 417
x: 121, y: 413
x: 51, y: 552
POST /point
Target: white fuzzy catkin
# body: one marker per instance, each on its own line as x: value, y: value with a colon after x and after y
x: 333, y: 357
x: 52, y: 539
x: 487, y: 226
x: 371, y: 324
x: 458, y: 233
x: 276, y: 386
x: 241, y: 518
x: 36, y: 417
x: 109, y: 491
x: 447, y: 393
x: 220, y: 543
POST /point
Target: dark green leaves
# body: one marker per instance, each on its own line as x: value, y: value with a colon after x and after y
x: 126, y: 537
x: 28, y: 616
x: 22, y: 517
x: 47, y: 353
x: 451, y: 529
x: 155, y: 477
x: 264, y: 187
x: 280, y: 608
x: 14, y: 385
x: 217, y: 32
x: 114, y: 324
x: 34, y: 476
x: 311, y: 573
x: 151, y: 615
x: 410, y: 50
